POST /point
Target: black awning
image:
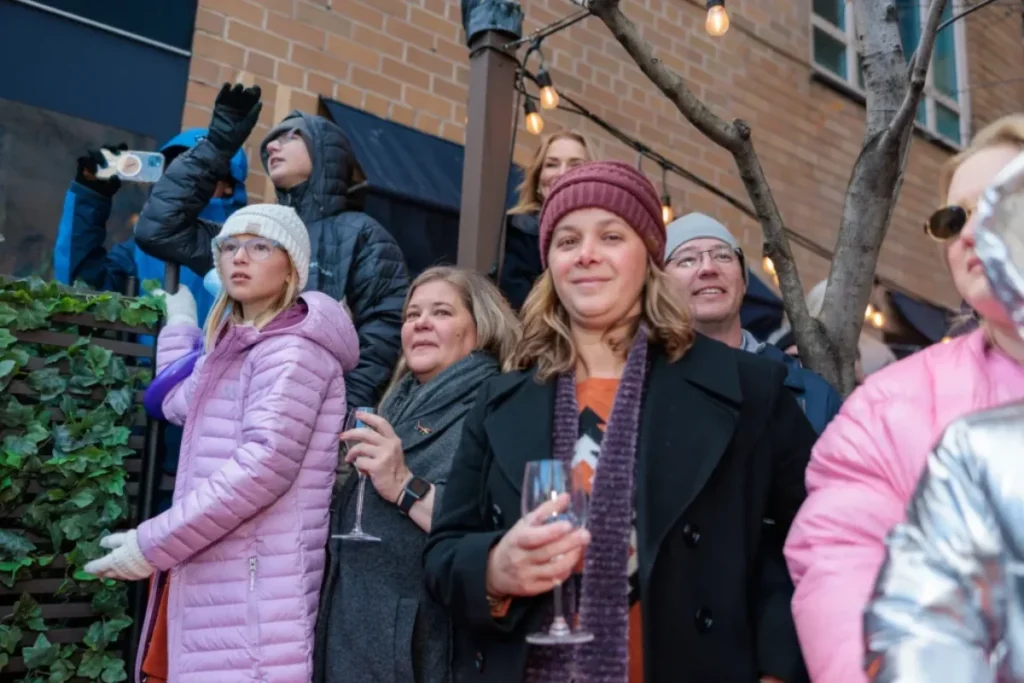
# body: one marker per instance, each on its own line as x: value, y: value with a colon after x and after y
x: 406, y: 164
x: 931, y: 321
x: 761, y: 312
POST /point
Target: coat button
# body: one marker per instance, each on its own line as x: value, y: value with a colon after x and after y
x: 497, y: 518
x: 691, y: 535
x: 478, y: 661
x: 703, y: 620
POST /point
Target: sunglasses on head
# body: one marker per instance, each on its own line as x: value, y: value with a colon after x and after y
x: 947, y: 222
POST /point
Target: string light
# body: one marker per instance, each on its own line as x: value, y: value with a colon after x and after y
x: 548, y: 94
x: 717, y: 22
x: 868, y: 312
x: 878, y: 320
x: 768, y: 265
x: 946, y: 340
x: 534, y: 123
x: 667, y: 214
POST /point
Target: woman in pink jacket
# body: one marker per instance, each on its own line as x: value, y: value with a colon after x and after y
x: 242, y: 547
x: 866, y: 465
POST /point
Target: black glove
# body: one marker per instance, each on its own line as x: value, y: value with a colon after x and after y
x: 91, y: 163
x: 234, y: 116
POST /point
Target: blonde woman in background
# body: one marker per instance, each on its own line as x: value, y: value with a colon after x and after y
x: 867, y: 463
x: 377, y: 623
x: 556, y: 154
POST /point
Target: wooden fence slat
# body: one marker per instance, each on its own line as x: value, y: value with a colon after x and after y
x: 90, y: 321
x: 21, y: 388
x: 64, y: 339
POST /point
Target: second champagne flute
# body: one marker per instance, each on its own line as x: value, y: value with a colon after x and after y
x: 357, y: 533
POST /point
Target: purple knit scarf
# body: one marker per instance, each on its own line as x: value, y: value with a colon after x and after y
x: 604, y: 607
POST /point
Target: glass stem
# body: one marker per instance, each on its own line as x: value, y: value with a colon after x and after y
x: 559, y: 627
x: 359, y: 503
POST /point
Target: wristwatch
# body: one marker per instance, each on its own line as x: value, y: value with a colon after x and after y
x: 413, y: 492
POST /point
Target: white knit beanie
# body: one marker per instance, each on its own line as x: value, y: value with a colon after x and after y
x: 273, y: 222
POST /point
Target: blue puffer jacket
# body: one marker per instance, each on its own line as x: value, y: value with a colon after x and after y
x: 80, y: 254
x: 816, y: 396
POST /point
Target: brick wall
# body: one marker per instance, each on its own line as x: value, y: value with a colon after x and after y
x: 404, y: 60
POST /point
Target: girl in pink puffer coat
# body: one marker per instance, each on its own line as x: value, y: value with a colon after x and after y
x: 239, y: 556
x: 866, y: 466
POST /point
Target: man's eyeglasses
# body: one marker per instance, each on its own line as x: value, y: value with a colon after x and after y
x: 723, y: 256
x: 947, y: 222
x: 257, y: 248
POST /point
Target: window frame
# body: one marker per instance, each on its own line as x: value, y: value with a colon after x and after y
x: 930, y: 96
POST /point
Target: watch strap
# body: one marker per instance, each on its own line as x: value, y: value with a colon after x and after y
x: 409, y: 496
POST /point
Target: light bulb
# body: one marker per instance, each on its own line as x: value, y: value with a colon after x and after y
x: 548, y: 94
x: 946, y: 340
x: 868, y: 312
x: 717, y: 22
x: 534, y: 123
x: 667, y: 214
x: 549, y: 97
x: 769, y: 266
x: 878, y: 320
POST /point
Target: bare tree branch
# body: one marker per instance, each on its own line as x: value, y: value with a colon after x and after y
x: 878, y: 172
x: 736, y: 138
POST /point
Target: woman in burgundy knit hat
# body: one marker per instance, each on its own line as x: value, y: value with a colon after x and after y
x: 686, y: 447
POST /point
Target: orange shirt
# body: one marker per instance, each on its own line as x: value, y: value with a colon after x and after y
x: 154, y: 665
x: 595, y: 397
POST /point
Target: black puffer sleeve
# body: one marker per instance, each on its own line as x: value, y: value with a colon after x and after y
x: 378, y: 284
x: 169, y: 226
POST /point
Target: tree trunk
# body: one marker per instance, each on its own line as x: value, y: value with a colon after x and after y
x: 829, y: 347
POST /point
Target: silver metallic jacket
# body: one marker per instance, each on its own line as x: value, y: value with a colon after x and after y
x: 949, y: 602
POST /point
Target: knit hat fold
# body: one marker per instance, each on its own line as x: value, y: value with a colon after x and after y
x: 273, y: 222
x: 616, y: 187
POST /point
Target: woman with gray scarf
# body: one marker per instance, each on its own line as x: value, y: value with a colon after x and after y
x: 376, y: 622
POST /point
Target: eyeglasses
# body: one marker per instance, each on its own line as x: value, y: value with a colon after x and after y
x: 947, y: 222
x: 692, y: 259
x: 257, y: 248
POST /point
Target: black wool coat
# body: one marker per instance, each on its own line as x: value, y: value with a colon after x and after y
x: 720, y: 475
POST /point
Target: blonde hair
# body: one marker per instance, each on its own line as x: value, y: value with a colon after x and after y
x: 497, y: 328
x: 226, y: 305
x: 547, y: 340
x: 1009, y: 131
x: 529, y: 199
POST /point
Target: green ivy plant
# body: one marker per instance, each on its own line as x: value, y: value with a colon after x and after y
x: 62, y: 474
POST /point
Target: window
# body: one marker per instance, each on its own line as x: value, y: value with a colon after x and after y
x: 835, y: 54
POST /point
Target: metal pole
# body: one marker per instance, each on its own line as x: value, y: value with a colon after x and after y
x: 491, y: 112
x: 149, y: 482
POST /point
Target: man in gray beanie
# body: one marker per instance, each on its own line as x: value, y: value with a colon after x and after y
x: 708, y: 263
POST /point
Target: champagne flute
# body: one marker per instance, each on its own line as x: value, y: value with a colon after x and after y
x: 546, y: 480
x: 357, y: 533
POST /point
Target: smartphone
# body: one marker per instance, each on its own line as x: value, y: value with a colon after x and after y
x: 132, y: 166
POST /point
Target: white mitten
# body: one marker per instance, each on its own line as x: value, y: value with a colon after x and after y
x: 181, y: 307
x: 125, y: 561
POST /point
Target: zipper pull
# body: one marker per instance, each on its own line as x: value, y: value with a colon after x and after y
x: 252, y: 574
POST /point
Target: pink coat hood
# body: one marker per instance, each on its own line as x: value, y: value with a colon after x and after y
x: 863, y: 471
x: 244, y: 540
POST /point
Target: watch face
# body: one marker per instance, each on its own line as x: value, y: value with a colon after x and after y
x: 419, y: 487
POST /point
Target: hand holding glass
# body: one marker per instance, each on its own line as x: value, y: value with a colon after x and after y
x: 357, y: 533
x: 544, y: 481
